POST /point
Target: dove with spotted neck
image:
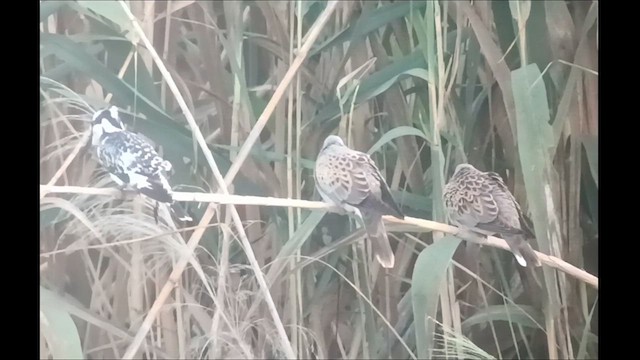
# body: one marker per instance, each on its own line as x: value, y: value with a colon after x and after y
x: 350, y: 180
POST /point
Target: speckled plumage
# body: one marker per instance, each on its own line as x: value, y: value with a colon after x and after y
x: 481, y: 202
x: 350, y: 180
x: 130, y: 160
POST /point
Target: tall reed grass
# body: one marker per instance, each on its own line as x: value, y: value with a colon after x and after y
x: 239, y: 97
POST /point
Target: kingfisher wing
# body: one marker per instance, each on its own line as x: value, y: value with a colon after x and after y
x: 133, y: 160
x: 138, y: 156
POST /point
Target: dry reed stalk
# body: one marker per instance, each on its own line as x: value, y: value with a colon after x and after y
x: 416, y: 224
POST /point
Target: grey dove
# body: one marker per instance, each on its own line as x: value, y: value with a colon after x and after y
x: 481, y: 202
x: 350, y: 180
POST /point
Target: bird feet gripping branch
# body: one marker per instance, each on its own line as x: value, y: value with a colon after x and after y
x: 126, y: 193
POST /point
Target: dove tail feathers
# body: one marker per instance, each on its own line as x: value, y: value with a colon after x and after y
x: 377, y: 234
x: 523, y: 252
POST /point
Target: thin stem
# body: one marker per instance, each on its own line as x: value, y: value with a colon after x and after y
x: 409, y: 224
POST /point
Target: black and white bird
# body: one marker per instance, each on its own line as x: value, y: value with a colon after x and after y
x: 131, y: 161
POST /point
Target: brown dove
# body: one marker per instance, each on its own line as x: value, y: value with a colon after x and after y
x: 481, y: 202
x: 350, y: 180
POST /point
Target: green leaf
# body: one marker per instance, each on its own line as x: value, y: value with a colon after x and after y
x: 369, y: 22
x: 534, y: 139
x: 517, y: 314
x: 58, y: 327
x: 136, y: 74
x: 76, y: 56
x: 378, y: 82
x: 111, y: 10
x: 535, y: 144
x: 299, y: 237
x: 396, y: 133
x: 305, y: 6
x: 428, y: 276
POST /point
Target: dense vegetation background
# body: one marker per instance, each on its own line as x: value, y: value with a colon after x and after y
x: 509, y: 86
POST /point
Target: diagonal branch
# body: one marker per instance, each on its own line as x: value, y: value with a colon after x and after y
x: 409, y: 224
x: 313, y: 34
x: 195, y: 238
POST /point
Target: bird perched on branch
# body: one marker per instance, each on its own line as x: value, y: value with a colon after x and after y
x: 350, y: 180
x: 481, y: 202
x: 131, y: 161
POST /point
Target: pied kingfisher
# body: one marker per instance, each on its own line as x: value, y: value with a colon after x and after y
x: 131, y: 161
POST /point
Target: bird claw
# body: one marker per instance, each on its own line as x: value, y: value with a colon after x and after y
x: 125, y: 192
x: 123, y: 196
